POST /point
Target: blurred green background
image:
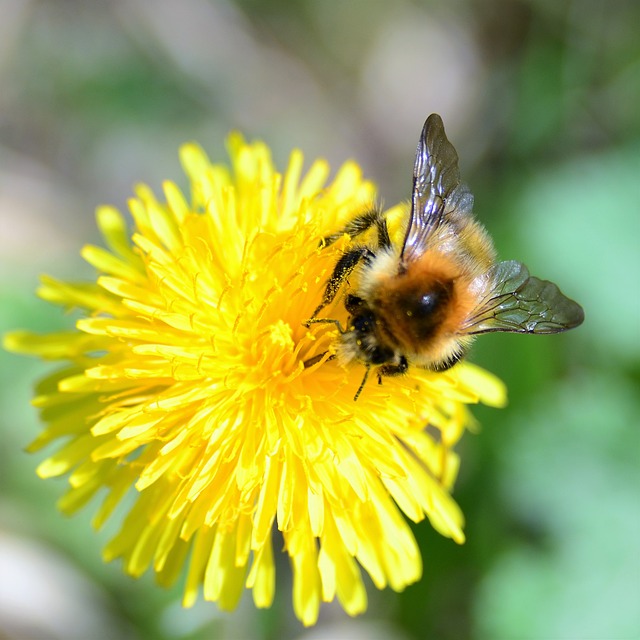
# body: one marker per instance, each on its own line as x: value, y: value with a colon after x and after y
x: 542, y: 100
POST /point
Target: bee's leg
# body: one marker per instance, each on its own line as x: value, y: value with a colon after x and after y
x: 360, y: 224
x: 315, y: 359
x: 311, y: 321
x: 347, y: 263
x: 364, y: 379
x: 393, y: 369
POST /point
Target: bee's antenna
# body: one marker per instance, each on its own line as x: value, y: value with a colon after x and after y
x: 311, y: 361
x: 364, y: 380
x: 314, y: 320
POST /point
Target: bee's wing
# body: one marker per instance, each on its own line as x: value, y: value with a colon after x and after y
x: 437, y: 192
x: 518, y: 302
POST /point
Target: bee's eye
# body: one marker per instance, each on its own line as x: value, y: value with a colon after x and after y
x: 363, y: 323
x: 353, y: 304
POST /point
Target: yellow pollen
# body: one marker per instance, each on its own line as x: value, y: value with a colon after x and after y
x: 281, y: 334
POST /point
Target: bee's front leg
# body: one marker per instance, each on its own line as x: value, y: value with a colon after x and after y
x: 345, y: 265
x: 393, y: 369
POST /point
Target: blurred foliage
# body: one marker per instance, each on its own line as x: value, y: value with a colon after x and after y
x: 541, y: 100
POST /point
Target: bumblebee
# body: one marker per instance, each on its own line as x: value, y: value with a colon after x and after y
x: 422, y: 302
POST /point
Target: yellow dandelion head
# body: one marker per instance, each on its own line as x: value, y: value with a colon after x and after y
x: 185, y: 378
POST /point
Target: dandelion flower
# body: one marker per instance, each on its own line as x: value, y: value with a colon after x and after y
x: 184, y: 383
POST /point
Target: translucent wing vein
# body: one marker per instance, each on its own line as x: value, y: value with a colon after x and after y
x: 518, y: 302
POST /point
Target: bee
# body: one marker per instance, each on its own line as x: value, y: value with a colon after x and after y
x: 422, y: 302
